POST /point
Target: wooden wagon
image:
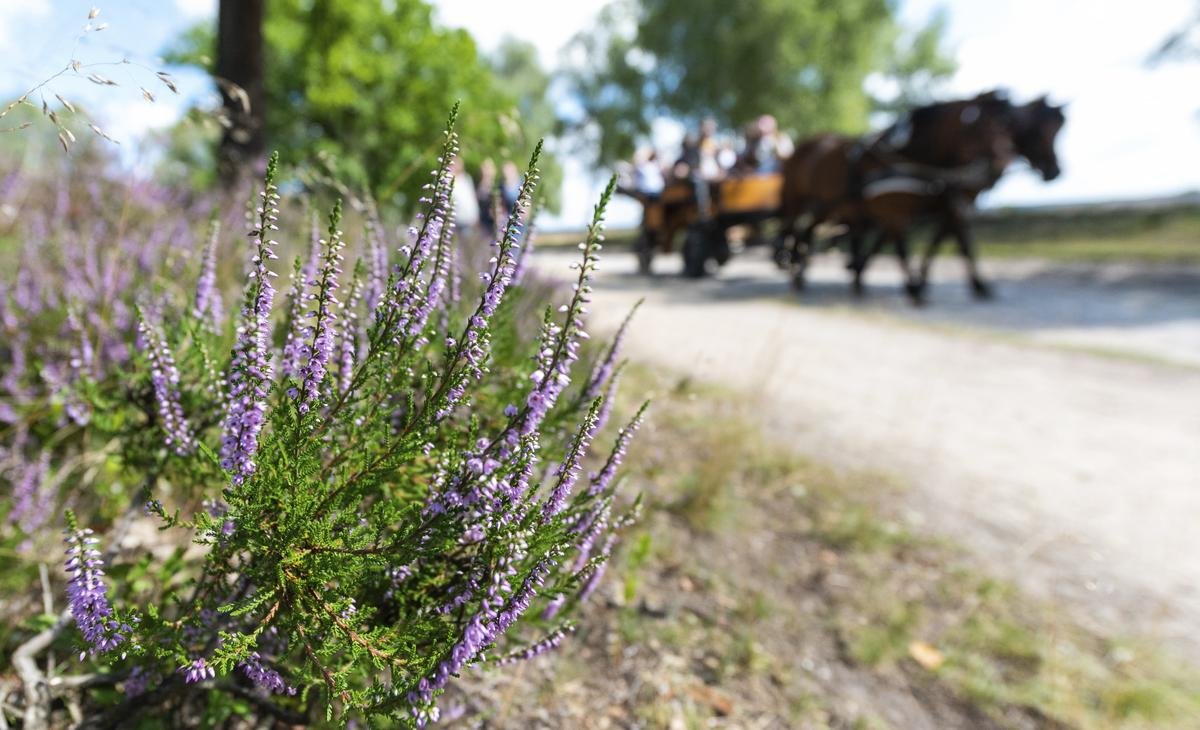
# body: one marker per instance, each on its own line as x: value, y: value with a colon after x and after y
x: 740, y: 200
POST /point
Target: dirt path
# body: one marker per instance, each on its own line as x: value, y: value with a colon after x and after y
x: 1076, y: 473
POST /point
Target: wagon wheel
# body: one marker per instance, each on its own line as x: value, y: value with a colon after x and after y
x: 644, y: 247
x: 696, y: 251
x: 781, y: 250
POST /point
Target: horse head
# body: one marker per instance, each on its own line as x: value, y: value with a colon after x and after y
x: 1035, y: 128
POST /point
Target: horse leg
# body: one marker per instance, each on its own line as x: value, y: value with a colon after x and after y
x: 801, y: 250
x: 784, y: 241
x: 860, y: 260
x: 931, y: 252
x: 915, y: 290
x: 966, y: 246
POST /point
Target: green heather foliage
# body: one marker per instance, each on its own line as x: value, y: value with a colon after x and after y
x: 384, y: 483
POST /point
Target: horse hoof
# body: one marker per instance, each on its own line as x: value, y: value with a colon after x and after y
x: 916, y: 294
x: 981, y: 290
x: 858, y: 289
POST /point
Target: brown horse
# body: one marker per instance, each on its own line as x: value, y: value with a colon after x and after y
x: 825, y: 178
x: 894, y: 205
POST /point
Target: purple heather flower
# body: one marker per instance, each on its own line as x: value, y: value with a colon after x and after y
x: 593, y: 523
x: 164, y: 376
x: 377, y: 261
x: 80, y: 364
x: 264, y: 676
x: 208, y: 306
x: 298, y: 332
x: 482, y: 629
x: 197, y: 671
x: 218, y: 510
x: 474, y: 344
x: 296, y: 350
x: 604, y: 368
x: 87, y: 596
x: 568, y: 471
x: 547, y: 644
x: 31, y: 501
x: 348, y: 334
x: 553, y: 607
x: 414, y: 296
x: 558, y: 347
x: 313, y: 369
x: 593, y: 580
x: 601, y: 481
x: 250, y: 370
x: 525, y: 252
x: 138, y: 682
x: 27, y: 491
x: 610, y: 399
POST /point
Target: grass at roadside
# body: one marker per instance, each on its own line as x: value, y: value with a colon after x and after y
x: 1158, y: 237
x: 1164, y: 236
x: 765, y: 590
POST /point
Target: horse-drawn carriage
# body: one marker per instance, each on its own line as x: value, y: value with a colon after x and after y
x: 705, y: 212
x: 928, y: 167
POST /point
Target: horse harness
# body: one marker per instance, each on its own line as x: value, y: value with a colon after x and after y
x: 898, y: 173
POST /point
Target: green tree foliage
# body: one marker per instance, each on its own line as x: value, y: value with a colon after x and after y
x: 804, y: 61
x: 917, y: 65
x: 367, y: 83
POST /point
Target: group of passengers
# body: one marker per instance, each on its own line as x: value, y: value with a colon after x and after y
x: 480, y: 205
x: 708, y: 157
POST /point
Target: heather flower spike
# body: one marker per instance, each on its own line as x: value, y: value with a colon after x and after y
x: 249, y: 380
x: 297, y: 326
x: 31, y: 499
x: 603, y: 479
x: 87, y: 595
x: 324, y: 327
x: 197, y: 671
x: 349, y: 336
x: 207, y: 306
x: 164, y: 377
x: 568, y: 472
x: 471, y: 348
x: 604, y: 368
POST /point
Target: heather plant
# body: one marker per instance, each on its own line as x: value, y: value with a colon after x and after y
x: 385, y: 476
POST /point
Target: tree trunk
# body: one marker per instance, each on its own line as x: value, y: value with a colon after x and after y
x: 240, y: 77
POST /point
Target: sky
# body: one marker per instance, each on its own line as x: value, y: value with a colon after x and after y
x: 1131, y: 131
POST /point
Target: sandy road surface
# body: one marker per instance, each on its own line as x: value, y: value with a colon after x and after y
x: 1073, y: 471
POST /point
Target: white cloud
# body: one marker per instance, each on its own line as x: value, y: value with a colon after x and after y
x: 196, y: 9
x: 548, y: 26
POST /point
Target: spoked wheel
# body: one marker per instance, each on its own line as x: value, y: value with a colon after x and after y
x: 643, y: 248
x: 782, y: 254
